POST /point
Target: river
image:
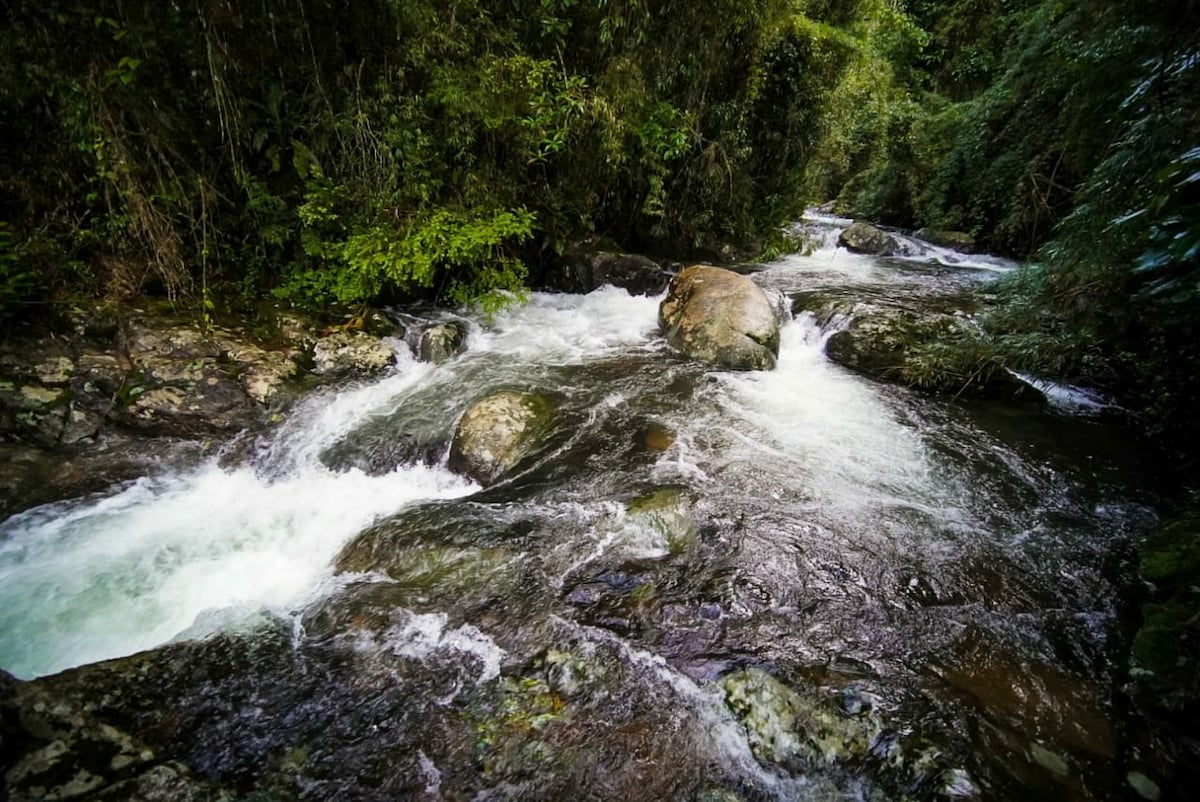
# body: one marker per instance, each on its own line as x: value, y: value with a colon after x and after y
x: 701, y: 565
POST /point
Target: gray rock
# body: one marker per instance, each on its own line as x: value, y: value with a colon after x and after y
x: 865, y: 238
x: 178, y: 355
x: 442, y: 341
x: 56, y: 370
x: 351, y: 352
x: 80, y: 426
x: 718, y: 316
x: 102, y: 370
x: 296, y: 330
x: 153, y: 369
x: 378, y: 324
x: 262, y: 373
x: 496, y: 433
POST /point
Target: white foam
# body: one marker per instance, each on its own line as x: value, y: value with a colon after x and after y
x: 422, y: 635
x: 1068, y: 398
x: 559, y: 328
x: 812, y: 419
x: 136, y: 569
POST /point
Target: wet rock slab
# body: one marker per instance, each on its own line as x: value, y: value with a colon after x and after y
x: 99, y: 373
x: 376, y: 703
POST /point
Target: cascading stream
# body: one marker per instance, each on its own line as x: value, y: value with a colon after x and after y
x: 86, y: 580
x: 815, y: 522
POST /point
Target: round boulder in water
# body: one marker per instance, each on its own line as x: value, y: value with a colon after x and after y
x: 496, y: 433
x: 719, y: 316
x: 865, y: 238
x: 442, y: 341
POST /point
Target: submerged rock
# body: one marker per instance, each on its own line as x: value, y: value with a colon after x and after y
x: 667, y: 512
x: 719, y: 316
x: 496, y: 433
x: 442, y: 341
x: 370, y: 701
x: 865, y: 238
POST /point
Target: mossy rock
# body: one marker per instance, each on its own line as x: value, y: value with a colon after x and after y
x: 498, y: 432
x: 1171, y: 556
x: 1166, y: 649
x: 934, y: 351
x: 959, y: 241
x: 1168, y: 639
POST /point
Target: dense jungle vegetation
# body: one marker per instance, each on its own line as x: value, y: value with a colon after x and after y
x: 327, y: 153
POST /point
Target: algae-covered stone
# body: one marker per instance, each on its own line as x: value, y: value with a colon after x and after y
x: 346, y: 352
x: 35, y: 397
x: 806, y: 729
x: 496, y: 433
x: 719, y: 316
x: 791, y: 728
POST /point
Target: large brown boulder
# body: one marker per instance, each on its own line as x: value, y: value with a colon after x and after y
x: 496, y: 433
x: 721, y: 317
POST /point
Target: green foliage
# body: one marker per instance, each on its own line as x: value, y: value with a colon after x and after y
x: 1171, y: 262
x: 16, y: 283
x: 1066, y: 133
x: 326, y: 152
